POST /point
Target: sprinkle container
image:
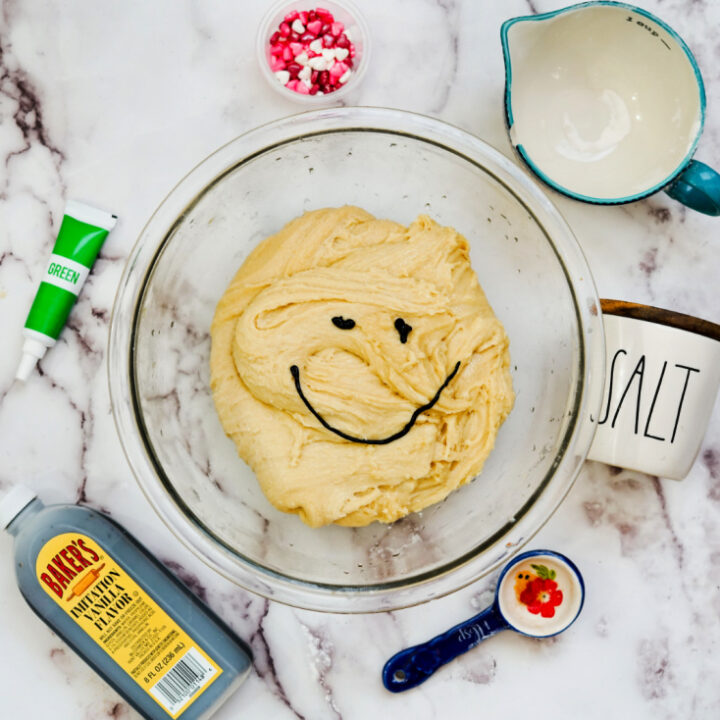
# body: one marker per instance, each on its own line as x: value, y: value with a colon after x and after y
x: 345, y: 41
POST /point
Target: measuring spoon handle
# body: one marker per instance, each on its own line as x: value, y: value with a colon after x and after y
x: 412, y: 666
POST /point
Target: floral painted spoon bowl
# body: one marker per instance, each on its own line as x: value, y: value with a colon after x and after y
x: 539, y: 594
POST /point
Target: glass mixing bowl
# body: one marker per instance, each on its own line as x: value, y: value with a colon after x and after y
x: 395, y: 165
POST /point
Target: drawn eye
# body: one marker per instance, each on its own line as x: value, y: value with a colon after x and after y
x: 403, y: 329
x: 343, y: 323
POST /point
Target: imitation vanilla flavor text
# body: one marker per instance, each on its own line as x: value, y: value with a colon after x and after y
x: 129, y: 618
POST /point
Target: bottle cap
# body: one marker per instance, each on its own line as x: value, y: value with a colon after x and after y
x: 33, y: 350
x: 16, y: 499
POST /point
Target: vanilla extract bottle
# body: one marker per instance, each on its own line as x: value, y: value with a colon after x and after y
x: 121, y: 610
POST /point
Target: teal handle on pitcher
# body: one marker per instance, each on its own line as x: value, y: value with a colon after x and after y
x: 698, y: 187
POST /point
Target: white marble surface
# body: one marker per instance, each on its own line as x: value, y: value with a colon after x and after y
x: 113, y: 102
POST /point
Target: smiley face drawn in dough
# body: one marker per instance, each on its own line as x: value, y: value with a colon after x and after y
x: 295, y: 372
x: 403, y: 331
x: 346, y: 414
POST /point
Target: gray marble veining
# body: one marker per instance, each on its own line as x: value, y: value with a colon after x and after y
x: 113, y: 103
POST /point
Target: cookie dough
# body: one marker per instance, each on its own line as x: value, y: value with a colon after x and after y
x: 358, y: 366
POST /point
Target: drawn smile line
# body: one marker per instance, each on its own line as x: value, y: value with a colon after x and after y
x: 295, y: 372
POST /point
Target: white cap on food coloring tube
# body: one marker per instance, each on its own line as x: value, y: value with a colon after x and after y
x: 13, y: 502
x: 33, y: 351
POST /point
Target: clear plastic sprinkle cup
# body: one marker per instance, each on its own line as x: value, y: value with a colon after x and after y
x: 354, y: 27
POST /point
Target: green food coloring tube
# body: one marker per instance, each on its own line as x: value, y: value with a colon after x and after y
x: 82, y: 233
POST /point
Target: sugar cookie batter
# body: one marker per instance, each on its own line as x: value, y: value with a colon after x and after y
x: 358, y: 366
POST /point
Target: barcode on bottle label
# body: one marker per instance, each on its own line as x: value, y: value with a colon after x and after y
x: 188, y: 675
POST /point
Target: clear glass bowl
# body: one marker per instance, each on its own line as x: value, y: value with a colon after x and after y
x: 355, y: 27
x: 395, y: 165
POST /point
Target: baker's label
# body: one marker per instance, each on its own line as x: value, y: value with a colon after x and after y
x: 104, y: 600
x: 65, y: 273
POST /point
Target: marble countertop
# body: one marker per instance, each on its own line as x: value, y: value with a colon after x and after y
x: 112, y: 103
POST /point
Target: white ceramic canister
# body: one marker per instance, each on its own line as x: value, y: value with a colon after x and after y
x: 662, y: 377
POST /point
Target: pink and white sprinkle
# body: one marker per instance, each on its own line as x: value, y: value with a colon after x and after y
x: 311, y: 53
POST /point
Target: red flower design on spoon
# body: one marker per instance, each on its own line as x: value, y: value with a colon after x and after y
x: 541, y: 594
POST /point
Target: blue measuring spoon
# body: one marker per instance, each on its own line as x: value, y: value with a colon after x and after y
x: 526, y: 601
